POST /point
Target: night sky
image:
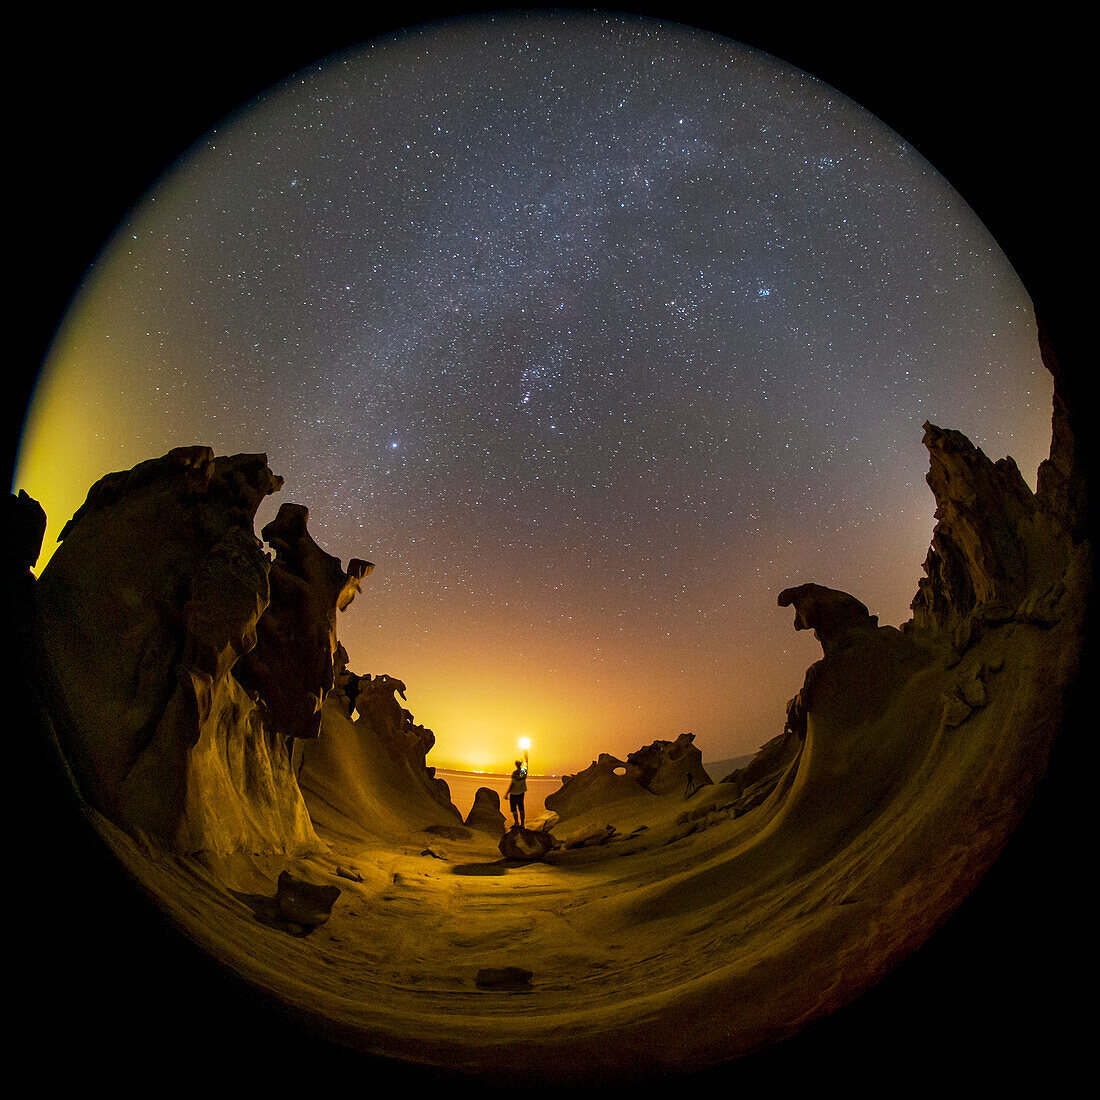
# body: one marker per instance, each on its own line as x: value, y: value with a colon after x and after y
x: 592, y: 333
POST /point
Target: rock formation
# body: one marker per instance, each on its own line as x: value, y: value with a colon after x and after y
x: 1062, y: 486
x: 669, y: 767
x: 292, y: 665
x: 750, y: 785
x: 998, y: 552
x: 661, y: 768
x: 24, y: 529
x: 836, y: 618
x: 393, y: 725
x: 485, y: 812
x: 158, y: 589
x: 368, y: 766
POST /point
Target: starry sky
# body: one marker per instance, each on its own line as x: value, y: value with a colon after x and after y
x: 592, y: 332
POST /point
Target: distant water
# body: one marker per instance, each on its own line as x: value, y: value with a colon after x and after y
x: 464, y: 785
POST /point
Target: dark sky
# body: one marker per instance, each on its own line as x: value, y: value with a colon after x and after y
x: 593, y: 333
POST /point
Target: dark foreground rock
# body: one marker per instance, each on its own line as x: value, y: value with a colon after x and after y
x: 526, y: 845
x: 304, y: 903
x: 485, y: 815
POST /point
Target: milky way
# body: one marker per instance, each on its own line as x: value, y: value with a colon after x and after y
x: 592, y: 333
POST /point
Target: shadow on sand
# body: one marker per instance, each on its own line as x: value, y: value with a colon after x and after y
x: 497, y: 867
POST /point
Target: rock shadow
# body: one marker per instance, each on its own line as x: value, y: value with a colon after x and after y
x: 496, y: 867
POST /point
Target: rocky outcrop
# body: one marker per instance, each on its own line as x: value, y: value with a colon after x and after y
x: 669, y: 767
x: 1062, y: 485
x: 836, y: 618
x: 292, y: 665
x: 751, y: 784
x: 24, y: 529
x: 158, y: 589
x: 406, y: 741
x: 603, y: 781
x: 661, y: 768
x: 998, y: 552
x: 369, y: 764
x: 485, y: 815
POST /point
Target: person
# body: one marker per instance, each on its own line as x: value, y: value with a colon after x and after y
x: 517, y: 789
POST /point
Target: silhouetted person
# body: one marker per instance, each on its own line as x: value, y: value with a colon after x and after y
x: 517, y: 789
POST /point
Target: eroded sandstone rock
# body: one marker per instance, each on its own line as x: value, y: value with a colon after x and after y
x: 997, y: 551
x: 753, y: 783
x: 835, y: 617
x: 24, y: 528
x: 302, y: 902
x: 1062, y: 485
x: 669, y: 767
x: 526, y: 845
x: 406, y: 741
x: 661, y: 768
x: 158, y: 590
x: 292, y: 666
x: 485, y: 813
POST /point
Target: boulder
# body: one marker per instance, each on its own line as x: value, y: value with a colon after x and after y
x: 304, y: 903
x: 526, y: 845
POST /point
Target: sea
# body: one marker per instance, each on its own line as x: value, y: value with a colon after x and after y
x: 464, y: 785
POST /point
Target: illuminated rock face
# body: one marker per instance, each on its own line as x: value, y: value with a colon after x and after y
x: 158, y: 589
x: 669, y: 767
x: 393, y: 726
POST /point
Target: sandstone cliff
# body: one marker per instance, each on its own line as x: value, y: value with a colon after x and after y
x: 179, y: 663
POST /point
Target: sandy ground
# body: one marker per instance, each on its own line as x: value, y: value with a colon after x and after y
x: 690, y: 939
